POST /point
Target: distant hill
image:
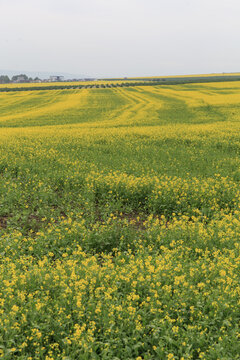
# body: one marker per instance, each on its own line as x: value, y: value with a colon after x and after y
x: 42, y: 74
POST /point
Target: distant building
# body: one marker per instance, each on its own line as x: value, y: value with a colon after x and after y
x: 89, y: 79
x: 56, y: 78
x: 19, y: 79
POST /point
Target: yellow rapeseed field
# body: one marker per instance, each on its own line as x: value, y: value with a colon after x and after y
x: 120, y: 223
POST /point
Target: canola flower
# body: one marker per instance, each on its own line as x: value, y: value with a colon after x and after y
x: 120, y: 224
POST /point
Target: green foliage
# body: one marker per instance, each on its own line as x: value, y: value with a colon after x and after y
x: 4, y: 79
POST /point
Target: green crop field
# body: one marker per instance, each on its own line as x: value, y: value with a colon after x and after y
x: 120, y: 223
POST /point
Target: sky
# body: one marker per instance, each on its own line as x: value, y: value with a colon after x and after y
x: 115, y: 38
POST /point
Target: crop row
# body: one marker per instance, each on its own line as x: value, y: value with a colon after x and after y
x: 132, y: 83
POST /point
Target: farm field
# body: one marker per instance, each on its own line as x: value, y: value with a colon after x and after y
x: 120, y: 82
x: 120, y: 223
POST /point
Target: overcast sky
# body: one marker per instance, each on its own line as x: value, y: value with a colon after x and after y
x: 120, y: 37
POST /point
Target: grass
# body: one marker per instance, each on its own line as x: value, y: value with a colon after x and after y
x: 120, y: 223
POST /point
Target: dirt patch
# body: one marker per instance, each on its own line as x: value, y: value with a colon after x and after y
x: 3, y: 222
x: 135, y: 219
x: 34, y: 217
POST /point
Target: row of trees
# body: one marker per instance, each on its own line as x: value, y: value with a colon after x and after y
x: 4, y: 79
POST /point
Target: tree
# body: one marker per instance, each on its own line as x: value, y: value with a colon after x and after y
x: 23, y: 77
x: 4, y: 79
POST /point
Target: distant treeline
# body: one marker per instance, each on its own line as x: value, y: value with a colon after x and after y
x: 4, y: 79
x: 130, y: 83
